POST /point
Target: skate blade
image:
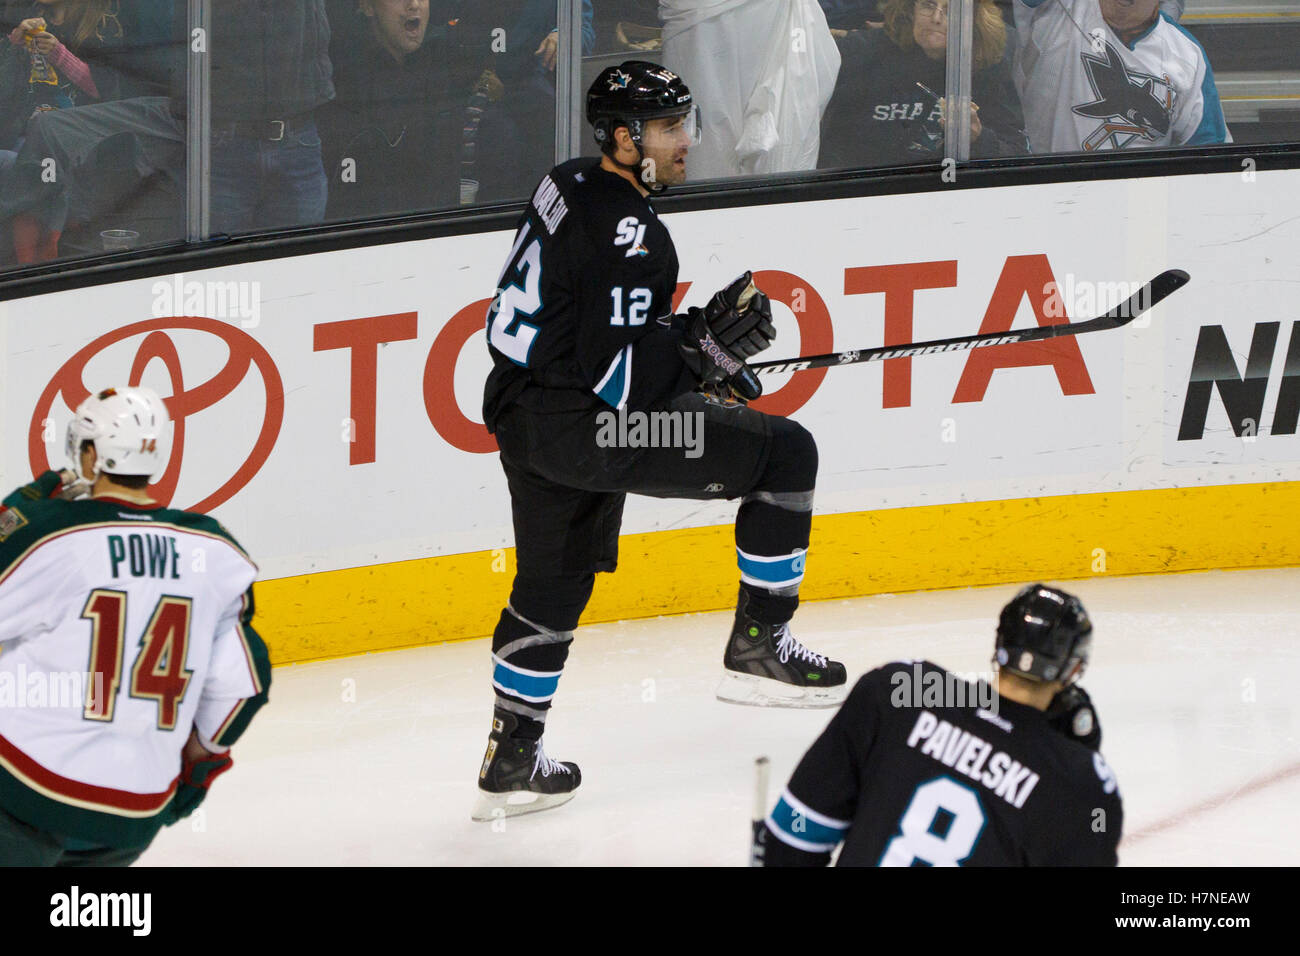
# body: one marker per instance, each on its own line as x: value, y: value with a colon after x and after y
x: 754, y: 691
x: 513, y: 803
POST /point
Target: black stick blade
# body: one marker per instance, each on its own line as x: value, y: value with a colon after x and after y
x: 1154, y: 292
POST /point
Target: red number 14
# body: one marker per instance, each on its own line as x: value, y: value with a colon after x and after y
x: 159, y: 671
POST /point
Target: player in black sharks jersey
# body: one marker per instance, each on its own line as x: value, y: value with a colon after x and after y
x: 921, y: 768
x: 582, y: 332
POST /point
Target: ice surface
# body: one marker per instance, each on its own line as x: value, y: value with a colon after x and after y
x: 374, y: 759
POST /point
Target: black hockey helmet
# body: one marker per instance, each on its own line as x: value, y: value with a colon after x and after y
x: 631, y: 93
x: 1044, y: 634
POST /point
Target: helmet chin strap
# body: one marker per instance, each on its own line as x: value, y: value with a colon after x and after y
x: 635, y: 169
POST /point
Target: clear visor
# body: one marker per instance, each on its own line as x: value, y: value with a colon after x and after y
x: 674, y: 131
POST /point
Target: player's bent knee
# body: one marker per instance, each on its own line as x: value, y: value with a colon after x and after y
x: 792, y: 462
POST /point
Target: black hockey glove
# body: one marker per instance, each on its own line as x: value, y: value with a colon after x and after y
x: 741, y: 317
x: 716, y: 340
x: 716, y: 366
x: 1071, y: 712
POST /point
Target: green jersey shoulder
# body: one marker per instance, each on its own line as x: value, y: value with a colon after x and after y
x: 33, y: 513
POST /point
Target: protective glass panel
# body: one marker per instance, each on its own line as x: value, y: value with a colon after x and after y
x: 791, y: 85
x: 92, y: 128
x: 888, y: 105
x: 437, y: 104
x: 762, y: 73
x: 1253, y: 47
x: 1101, y: 76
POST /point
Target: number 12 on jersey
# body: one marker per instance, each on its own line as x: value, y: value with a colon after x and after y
x: 638, y: 306
x: 507, y: 332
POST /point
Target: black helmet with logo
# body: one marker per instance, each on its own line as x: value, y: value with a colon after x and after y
x: 631, y: 93
x: 1044, y: 634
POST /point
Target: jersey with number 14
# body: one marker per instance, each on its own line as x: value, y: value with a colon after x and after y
x: 122, y: 627
x: 922, y: 768
x: 583, y: 305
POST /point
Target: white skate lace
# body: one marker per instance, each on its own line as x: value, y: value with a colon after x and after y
x: 545, y: 764
x: 788, y: 646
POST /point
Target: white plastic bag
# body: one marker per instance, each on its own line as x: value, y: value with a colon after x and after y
x: 782, y: 123
x: 762, y: 72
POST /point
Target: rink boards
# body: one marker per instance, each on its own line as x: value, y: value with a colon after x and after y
x: 327, y: 405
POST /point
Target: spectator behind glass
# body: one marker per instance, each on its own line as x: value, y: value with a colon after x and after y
x: 270, y: 73
x: 527, y: 71
x: 505, y: 55
x: 64, y: 48
x: 762, y: 71
x: 393, y: 136
x: 61, y: 54
x: 538, y: 19
x: 888, y: 108
x: 1112, y: 74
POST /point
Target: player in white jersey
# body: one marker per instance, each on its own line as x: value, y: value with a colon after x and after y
x: 1112, y: 74
x: 128, y: 663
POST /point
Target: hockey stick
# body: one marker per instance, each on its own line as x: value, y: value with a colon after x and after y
x: 762, y: 768
x: 1151, y: 294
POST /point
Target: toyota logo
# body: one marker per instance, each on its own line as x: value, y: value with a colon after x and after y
x: 245, y: 352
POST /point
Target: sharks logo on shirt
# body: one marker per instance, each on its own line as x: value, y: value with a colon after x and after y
x: 1131, y: 105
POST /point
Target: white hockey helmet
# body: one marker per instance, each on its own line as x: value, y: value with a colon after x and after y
x: 128, y: 427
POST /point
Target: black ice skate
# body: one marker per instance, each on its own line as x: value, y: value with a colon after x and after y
x: 765, y: 666
x: 517, y: 776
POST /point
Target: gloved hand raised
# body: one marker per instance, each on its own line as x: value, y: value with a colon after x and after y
x: 716, y: 340
x: 741, y: 317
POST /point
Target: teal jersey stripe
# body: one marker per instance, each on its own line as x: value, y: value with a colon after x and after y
x: 800, y: 826
x: 531, y: 687
x: 782, y: 569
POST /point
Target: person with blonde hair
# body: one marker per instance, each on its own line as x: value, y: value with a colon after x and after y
x: 59, y: 56
x: 59, y: 40
x: 887, y: 109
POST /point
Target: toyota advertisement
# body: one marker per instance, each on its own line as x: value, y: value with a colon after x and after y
x: 326, y: 407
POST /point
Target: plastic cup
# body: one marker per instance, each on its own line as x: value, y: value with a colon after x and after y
x: 119, y: 240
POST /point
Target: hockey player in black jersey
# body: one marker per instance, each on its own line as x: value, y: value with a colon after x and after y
x: 582, y: 325
x: 921, y: 768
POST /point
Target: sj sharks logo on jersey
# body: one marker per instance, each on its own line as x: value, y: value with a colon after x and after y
x: 631, y: 232
x: 1131, y: 105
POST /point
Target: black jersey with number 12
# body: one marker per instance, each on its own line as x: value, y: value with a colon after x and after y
x: 583, y: 307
